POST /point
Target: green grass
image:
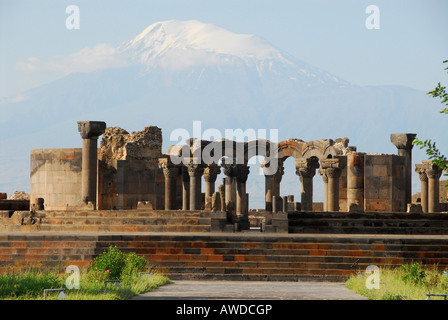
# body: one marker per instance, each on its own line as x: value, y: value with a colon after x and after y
x: 409, y: 282
x: 30, y: 285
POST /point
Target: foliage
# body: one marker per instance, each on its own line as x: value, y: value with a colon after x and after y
x: 109, y: 265
x: 114, y: 264
x: 407, y: 282
x: 29, y: 284
x: 431, y: 150
x: 414, y: 273
x: 133, y: 264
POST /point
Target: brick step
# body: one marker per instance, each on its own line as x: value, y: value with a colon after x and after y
x: 113, y: 228
x: 126, y: 221
x: 123, y: 214
x: 369, y: 230
x: 187, y: 253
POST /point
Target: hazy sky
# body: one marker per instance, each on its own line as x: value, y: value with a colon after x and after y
x: 408, y: 49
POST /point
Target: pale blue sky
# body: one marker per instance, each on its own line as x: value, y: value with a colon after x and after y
x: 408, y: 49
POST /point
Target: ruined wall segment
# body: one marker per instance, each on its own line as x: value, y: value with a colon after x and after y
x: 56, y: 176
x: 128, y: 168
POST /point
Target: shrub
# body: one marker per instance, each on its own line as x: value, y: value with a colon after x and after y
x: 108, y: 265
x: 114, y: 264
x: 413, y: 273
x: 133, y: 264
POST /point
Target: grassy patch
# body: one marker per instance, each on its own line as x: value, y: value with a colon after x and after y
x: 30, y: 285
x: 409, y: 282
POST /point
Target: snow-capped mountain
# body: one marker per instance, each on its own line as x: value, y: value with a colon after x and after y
x: 176, y: 72
x: 182, y: 45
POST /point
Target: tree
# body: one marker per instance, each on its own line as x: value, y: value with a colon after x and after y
x: 431, y: 150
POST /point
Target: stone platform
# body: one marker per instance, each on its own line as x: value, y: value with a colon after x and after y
x: 192, y: 245
x: 227, y: 256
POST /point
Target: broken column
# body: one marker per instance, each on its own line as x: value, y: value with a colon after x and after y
x: 90, y: 131
x: 306, y: 169
x: 355, y: 182
x: 170, y: 171
x: 403, y: 142
x: 333, y: 169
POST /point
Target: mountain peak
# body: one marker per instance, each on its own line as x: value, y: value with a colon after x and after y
x: 179, y: 44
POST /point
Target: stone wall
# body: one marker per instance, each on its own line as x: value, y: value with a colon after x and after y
x: 128, y: 169
x: 384, y: 188
x: 55, y: 175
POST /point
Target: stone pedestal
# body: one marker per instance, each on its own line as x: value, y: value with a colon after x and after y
x: 90, y: 131
x: 403, y: 142
x: 306, y: 169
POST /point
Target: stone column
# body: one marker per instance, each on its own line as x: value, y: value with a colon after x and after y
x: 355, y: 182
x: 229, y: 171
x: 421, y: 170
x: 90, y: 131
x: 325, y: 179
x: 333, y: 169
x: 195, y: 170
x: 242, y: 172
x: 210, y: 174
x: 185, y: 188
x: 403, y: 142
x: 170, y: 171
x: 272, y: 183
x: 306, y: 169
x: 433, y: 173
x: 221, y: 190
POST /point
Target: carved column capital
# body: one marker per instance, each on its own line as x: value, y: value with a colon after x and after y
x: 403, y: 140
x: 211, y: 172
x: 421, y: 171
x: 333, y: 167
x: 306, y: 168
x: 91, y: 129
x: 242, y: 172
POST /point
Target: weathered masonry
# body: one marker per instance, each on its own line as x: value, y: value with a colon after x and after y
x: 129, y: 171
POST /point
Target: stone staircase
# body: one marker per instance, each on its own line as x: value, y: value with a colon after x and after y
x: 110, y: 221
x: 368, y: 223
x: 227, y: 256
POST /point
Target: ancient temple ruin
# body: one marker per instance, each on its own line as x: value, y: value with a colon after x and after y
x: 129, y: 171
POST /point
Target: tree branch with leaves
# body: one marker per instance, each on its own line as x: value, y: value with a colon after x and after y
x: 431, y: 150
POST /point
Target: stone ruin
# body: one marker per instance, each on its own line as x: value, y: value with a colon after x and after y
x: 129, y: 171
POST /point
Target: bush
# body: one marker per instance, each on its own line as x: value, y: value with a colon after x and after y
x: 413, y: 273
x: 109, y: 265
x: 133, y: 264
x: 114, y: 264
